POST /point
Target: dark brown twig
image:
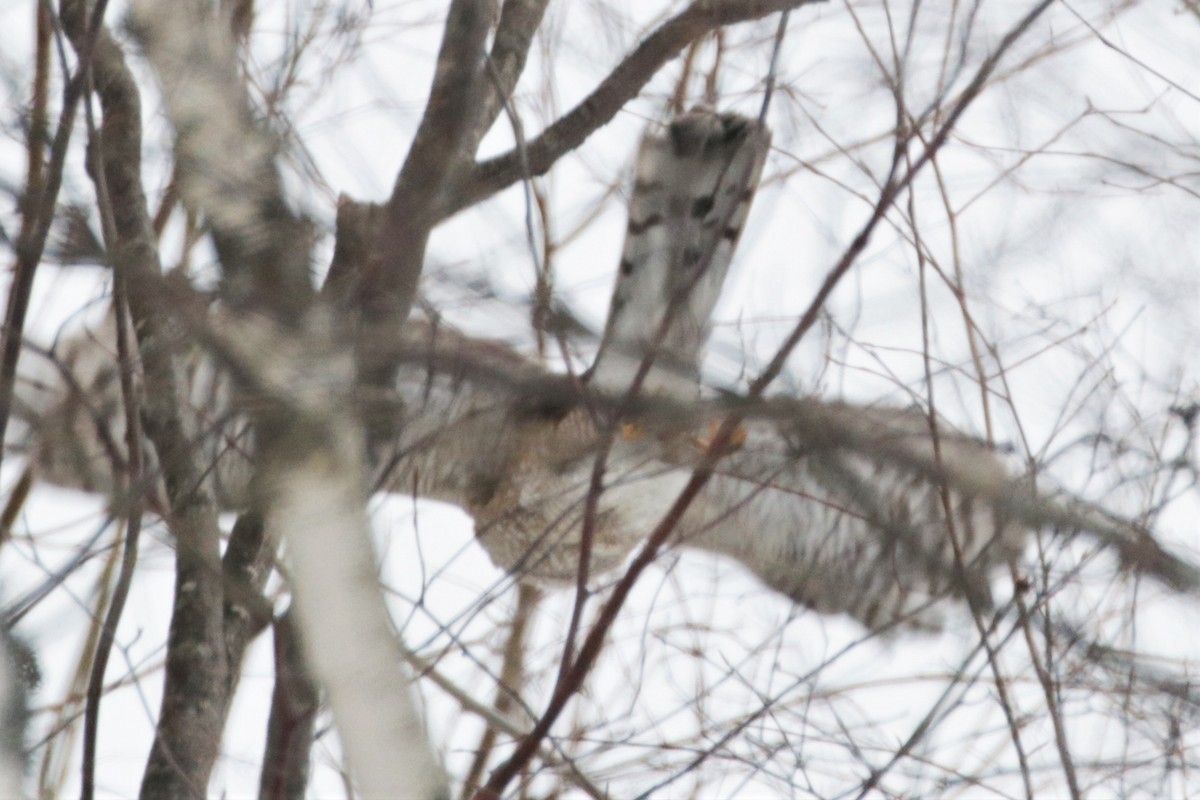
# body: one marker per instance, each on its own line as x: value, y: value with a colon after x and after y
x: 292, y: 722
x: 131, y: 404
x: 38, y: 210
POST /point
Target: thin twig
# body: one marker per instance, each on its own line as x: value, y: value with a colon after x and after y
x: 38, y: 217
x: 131, y: 403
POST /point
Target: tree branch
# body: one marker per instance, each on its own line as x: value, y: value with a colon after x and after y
x: 290, y: 728
x: 430, y: 173
x: 622, y: 85
x: 519, y: 22
x: 190, y: 720
x: 39, y: 203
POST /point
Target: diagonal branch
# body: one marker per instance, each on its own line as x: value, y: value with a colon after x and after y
x: 519, y: 21
x: 622, y: 85
x: 891, y: 190
x: 41, y: 198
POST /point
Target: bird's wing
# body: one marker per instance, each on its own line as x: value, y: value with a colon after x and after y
x: 850, y: 509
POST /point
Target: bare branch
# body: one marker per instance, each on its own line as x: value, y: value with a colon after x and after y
x: 891, y: 190
x: 432, y: 168
x: 622, y: 85
x: 39, y: 203
x: 519, y: 21
x: 131, y: 400
x: 290, y: 729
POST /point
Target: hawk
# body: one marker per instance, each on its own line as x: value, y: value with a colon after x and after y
x: 866, y: 530
x: 877, y: 512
